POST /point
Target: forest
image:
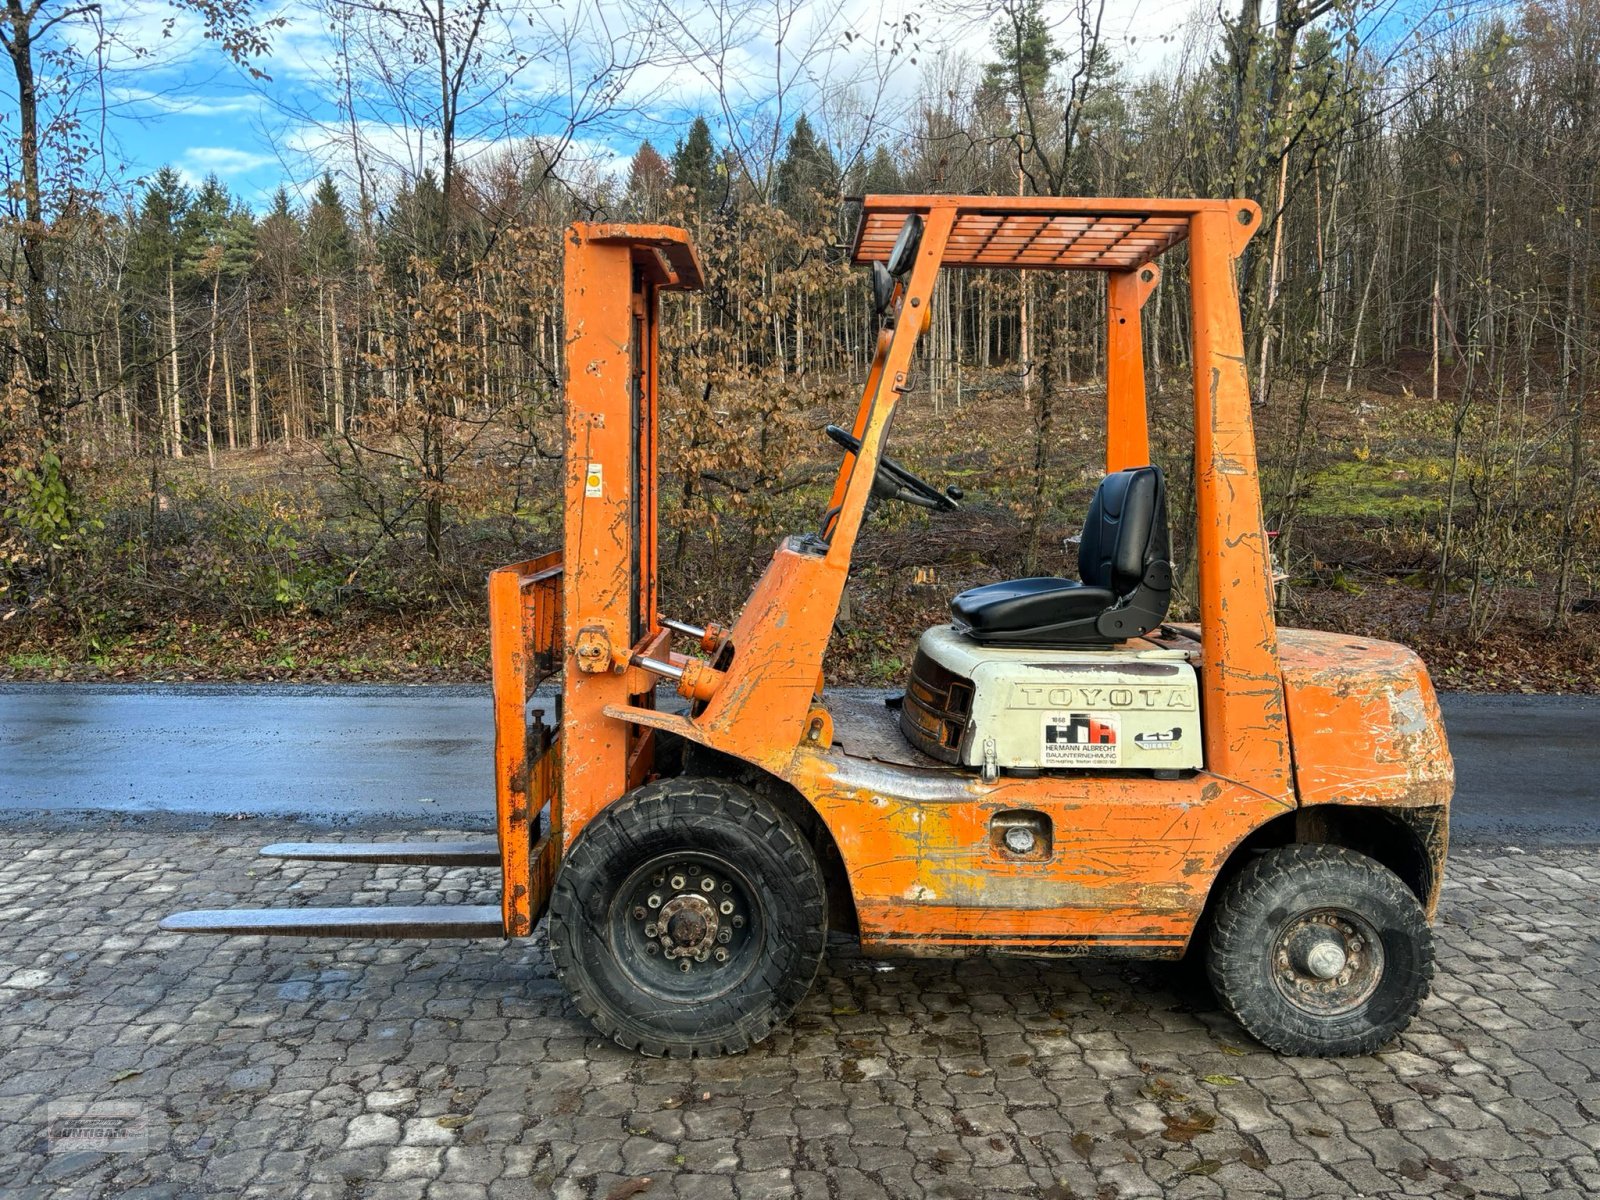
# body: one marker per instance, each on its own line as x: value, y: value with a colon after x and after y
x: 287, y: 440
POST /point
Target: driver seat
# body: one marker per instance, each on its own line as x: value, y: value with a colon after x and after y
x: 1125, y: 579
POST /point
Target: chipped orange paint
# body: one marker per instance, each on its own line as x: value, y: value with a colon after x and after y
x: 1365, y: 721
x: 525, y: 637
x: 1289, y: 718
x: 1127, y: 419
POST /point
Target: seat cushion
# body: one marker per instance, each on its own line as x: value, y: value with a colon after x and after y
x: 1019, y: 604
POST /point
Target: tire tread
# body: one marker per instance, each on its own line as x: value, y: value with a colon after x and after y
x: 682, y: 802
x: 1234, y: 948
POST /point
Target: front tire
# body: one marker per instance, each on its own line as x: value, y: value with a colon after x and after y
x: 1318, y: 950
x: 689, y: 918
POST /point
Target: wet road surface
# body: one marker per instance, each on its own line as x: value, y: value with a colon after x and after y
x: 1528, y: 767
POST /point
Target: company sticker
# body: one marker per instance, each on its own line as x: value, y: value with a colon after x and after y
x: 1080, y: 740
x: 591, y: 481
x: 1165, y: 739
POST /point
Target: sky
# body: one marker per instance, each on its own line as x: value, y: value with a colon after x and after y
x: 601, y: 74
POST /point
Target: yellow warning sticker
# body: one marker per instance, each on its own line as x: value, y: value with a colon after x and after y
x: 591, y: 481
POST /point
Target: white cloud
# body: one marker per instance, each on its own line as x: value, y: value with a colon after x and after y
x: 182, y: 103
x: 225, y: 162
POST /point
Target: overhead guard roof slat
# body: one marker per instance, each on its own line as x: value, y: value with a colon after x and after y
x: 1037, y: 232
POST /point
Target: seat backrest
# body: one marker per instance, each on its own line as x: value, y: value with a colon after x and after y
x: 1126, y: 530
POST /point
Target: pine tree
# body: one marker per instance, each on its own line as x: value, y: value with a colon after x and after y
x: 881, y: 176
x: 648, y: 178
x: 694, y: 163
x: 806, y: 175
x: 1025, y: 54
x: 329, y: 242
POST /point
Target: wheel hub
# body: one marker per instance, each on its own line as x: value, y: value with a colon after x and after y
x: 688, y: 926
x: 687, y: 914
x: 1328, y: 961
x: 1325, y: 960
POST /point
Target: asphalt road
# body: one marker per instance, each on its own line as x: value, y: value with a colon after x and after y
x: 1527, y: 767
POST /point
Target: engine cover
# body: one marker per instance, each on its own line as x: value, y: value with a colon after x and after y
x: 1037, y: 708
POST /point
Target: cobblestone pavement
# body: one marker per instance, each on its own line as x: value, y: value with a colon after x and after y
x: 362, y: 1070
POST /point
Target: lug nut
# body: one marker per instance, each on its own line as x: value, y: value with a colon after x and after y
x: 708, y: 884
x: 677, y: 883
x: 693, y: 869
x: 654, y: 901
x: 722, y: 954
x: 651, y: 930
x: 683, y: 964
x: 724, y: 936
x: 738, y: 922
x: 725, y: 908
x: 638, y: 912
x: 651, y: 948
x: 726, y: 886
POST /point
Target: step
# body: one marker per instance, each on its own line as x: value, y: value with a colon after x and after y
x: 413, y: 921
x: 476, y: 853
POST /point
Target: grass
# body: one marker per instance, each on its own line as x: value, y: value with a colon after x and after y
x: 247, y: 573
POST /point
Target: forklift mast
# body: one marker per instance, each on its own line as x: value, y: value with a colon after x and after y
x: 597, y: 598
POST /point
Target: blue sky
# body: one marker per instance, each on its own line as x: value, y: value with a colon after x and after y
x: 174, y: 98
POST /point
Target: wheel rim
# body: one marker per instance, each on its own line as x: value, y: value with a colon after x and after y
x: 1328, y: 961
x: 687, y: 926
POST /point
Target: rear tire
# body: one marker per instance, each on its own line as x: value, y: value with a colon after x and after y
x: 689, y: 918
x: 1318, y: 950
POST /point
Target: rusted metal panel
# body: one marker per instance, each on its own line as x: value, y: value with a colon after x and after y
x: 1366, y: 722
x: 1132, y: 860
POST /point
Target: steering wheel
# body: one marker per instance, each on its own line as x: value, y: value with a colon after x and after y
x: 894, y: 482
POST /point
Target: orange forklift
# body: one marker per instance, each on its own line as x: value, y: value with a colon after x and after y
x: 1066, y: 773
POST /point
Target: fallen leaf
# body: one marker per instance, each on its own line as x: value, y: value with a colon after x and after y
x: 1221, y: 1080
x: 629, y: 1187
x: 453, y: 1121
x: 1083, y: 1144
x: 1206, y: 1166
x: 1187, y: 1127
x: 1162, y: 1089
x: 1233, y: 1050
x: 121, y: 1075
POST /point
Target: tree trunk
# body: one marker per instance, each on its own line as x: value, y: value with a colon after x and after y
x: 48, y: 408
x: 255, y: 388
x: 175, y: 408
